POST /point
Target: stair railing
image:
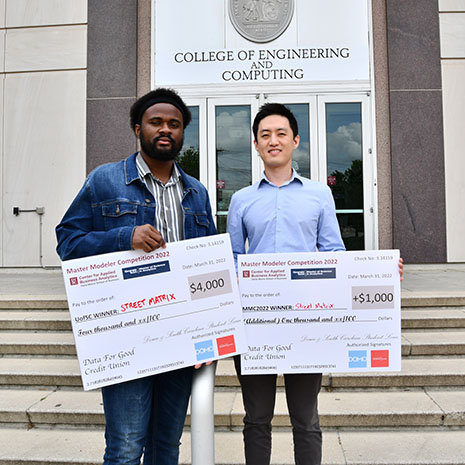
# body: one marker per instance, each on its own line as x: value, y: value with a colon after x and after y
x: 203, y: 416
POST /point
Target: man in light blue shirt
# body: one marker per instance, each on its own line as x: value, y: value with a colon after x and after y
x: 282, y: 212
x: 296, y: 216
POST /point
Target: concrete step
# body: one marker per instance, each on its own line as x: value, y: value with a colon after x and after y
x: 435, y: 317
x: 37, y: 343
x: 53, y: 407
x: 18, y: 299
x: 66, y: 447
x: 450, y: 342
x: 32, y: 301
x: 416, y: 372
x: 39, y: 371
x: 49, y: 320
x: 433, y: 298
x: 59, y: 320
x: 58, y: 301
x: 414, y: 408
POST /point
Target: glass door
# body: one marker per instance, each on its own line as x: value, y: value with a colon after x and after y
x: 231, y: 165
x: 335, y: 148
x: 347, y: 167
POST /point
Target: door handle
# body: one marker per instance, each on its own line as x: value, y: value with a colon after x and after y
x: 38, y: 210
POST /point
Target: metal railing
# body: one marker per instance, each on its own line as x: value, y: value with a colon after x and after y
x: 203, y: 416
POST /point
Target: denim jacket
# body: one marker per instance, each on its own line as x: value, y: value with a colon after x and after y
x: 113, y: 201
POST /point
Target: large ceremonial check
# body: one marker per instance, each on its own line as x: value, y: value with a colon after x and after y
x: 321, y: 312
x: 136, y: 314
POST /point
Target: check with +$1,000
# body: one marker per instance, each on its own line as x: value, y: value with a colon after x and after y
x: 321, y: 312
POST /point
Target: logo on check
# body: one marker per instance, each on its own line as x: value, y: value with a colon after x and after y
x: 357, y: 358
x: 204, y: 350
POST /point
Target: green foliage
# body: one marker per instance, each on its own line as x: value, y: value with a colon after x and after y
x: 348, y: 194
x: 189, y: 162
x: 348, y: 191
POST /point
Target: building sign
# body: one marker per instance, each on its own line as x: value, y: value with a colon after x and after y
x: 261, y: 20
x: 259, y: 41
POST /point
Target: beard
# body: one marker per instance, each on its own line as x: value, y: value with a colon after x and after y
x: 165, y: 154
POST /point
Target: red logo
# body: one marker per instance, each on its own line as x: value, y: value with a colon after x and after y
x: 246, y: 274
x: 331, y: 180
x: 220, y: 184
x: 226, y: 345
x: 380, y: 358
x: 73, y: 281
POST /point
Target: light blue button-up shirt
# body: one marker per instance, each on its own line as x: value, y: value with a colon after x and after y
x: 298, y: 216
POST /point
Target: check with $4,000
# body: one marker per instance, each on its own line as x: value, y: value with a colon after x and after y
x: 321, y: 312
x: 136, y: 314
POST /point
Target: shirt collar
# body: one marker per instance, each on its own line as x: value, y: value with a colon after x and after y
x: 294, y: 177
x: 144, y: 171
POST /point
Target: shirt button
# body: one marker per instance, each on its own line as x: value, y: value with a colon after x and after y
x: 279, y: 230
x: 147, y: 200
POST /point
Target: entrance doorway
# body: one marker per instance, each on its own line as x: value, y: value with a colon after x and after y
x: 335, y: 148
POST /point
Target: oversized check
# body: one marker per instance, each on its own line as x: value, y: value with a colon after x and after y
x: 136, y: 314
x: 321, y: 312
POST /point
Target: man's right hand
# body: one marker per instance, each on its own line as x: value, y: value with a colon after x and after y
x: 147, y: 238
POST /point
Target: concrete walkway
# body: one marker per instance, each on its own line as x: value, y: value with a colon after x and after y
x: 447, y: 280
x: 444, y: 280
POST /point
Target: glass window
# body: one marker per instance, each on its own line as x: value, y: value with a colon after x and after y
x: 188, y: 158
x: 352, y: 230
x: 301, y: 156
x: 233, y: 156
x: 344, y: 153
x: 345, y: 169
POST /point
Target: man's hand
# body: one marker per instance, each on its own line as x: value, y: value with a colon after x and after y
x: 401, y: 269
x: 147, y: 238
x: 201, y: 364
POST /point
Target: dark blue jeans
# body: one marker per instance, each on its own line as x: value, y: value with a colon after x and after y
x: 147, y: 416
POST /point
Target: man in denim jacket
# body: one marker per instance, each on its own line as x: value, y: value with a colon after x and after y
x: 142, y: 202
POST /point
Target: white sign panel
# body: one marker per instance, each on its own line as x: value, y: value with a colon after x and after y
x: 136, y: 314
x: 200, y: 42
x: 321, y: 312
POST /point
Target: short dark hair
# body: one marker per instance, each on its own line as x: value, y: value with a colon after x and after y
x: 269, y: 109
x: 160, y: 95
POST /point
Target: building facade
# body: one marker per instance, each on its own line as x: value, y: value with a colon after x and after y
x: 378, y: 88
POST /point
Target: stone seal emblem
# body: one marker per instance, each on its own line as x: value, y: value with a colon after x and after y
x: 261, y: 20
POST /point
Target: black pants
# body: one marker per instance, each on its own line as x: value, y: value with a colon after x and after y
x: 259, y: 393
